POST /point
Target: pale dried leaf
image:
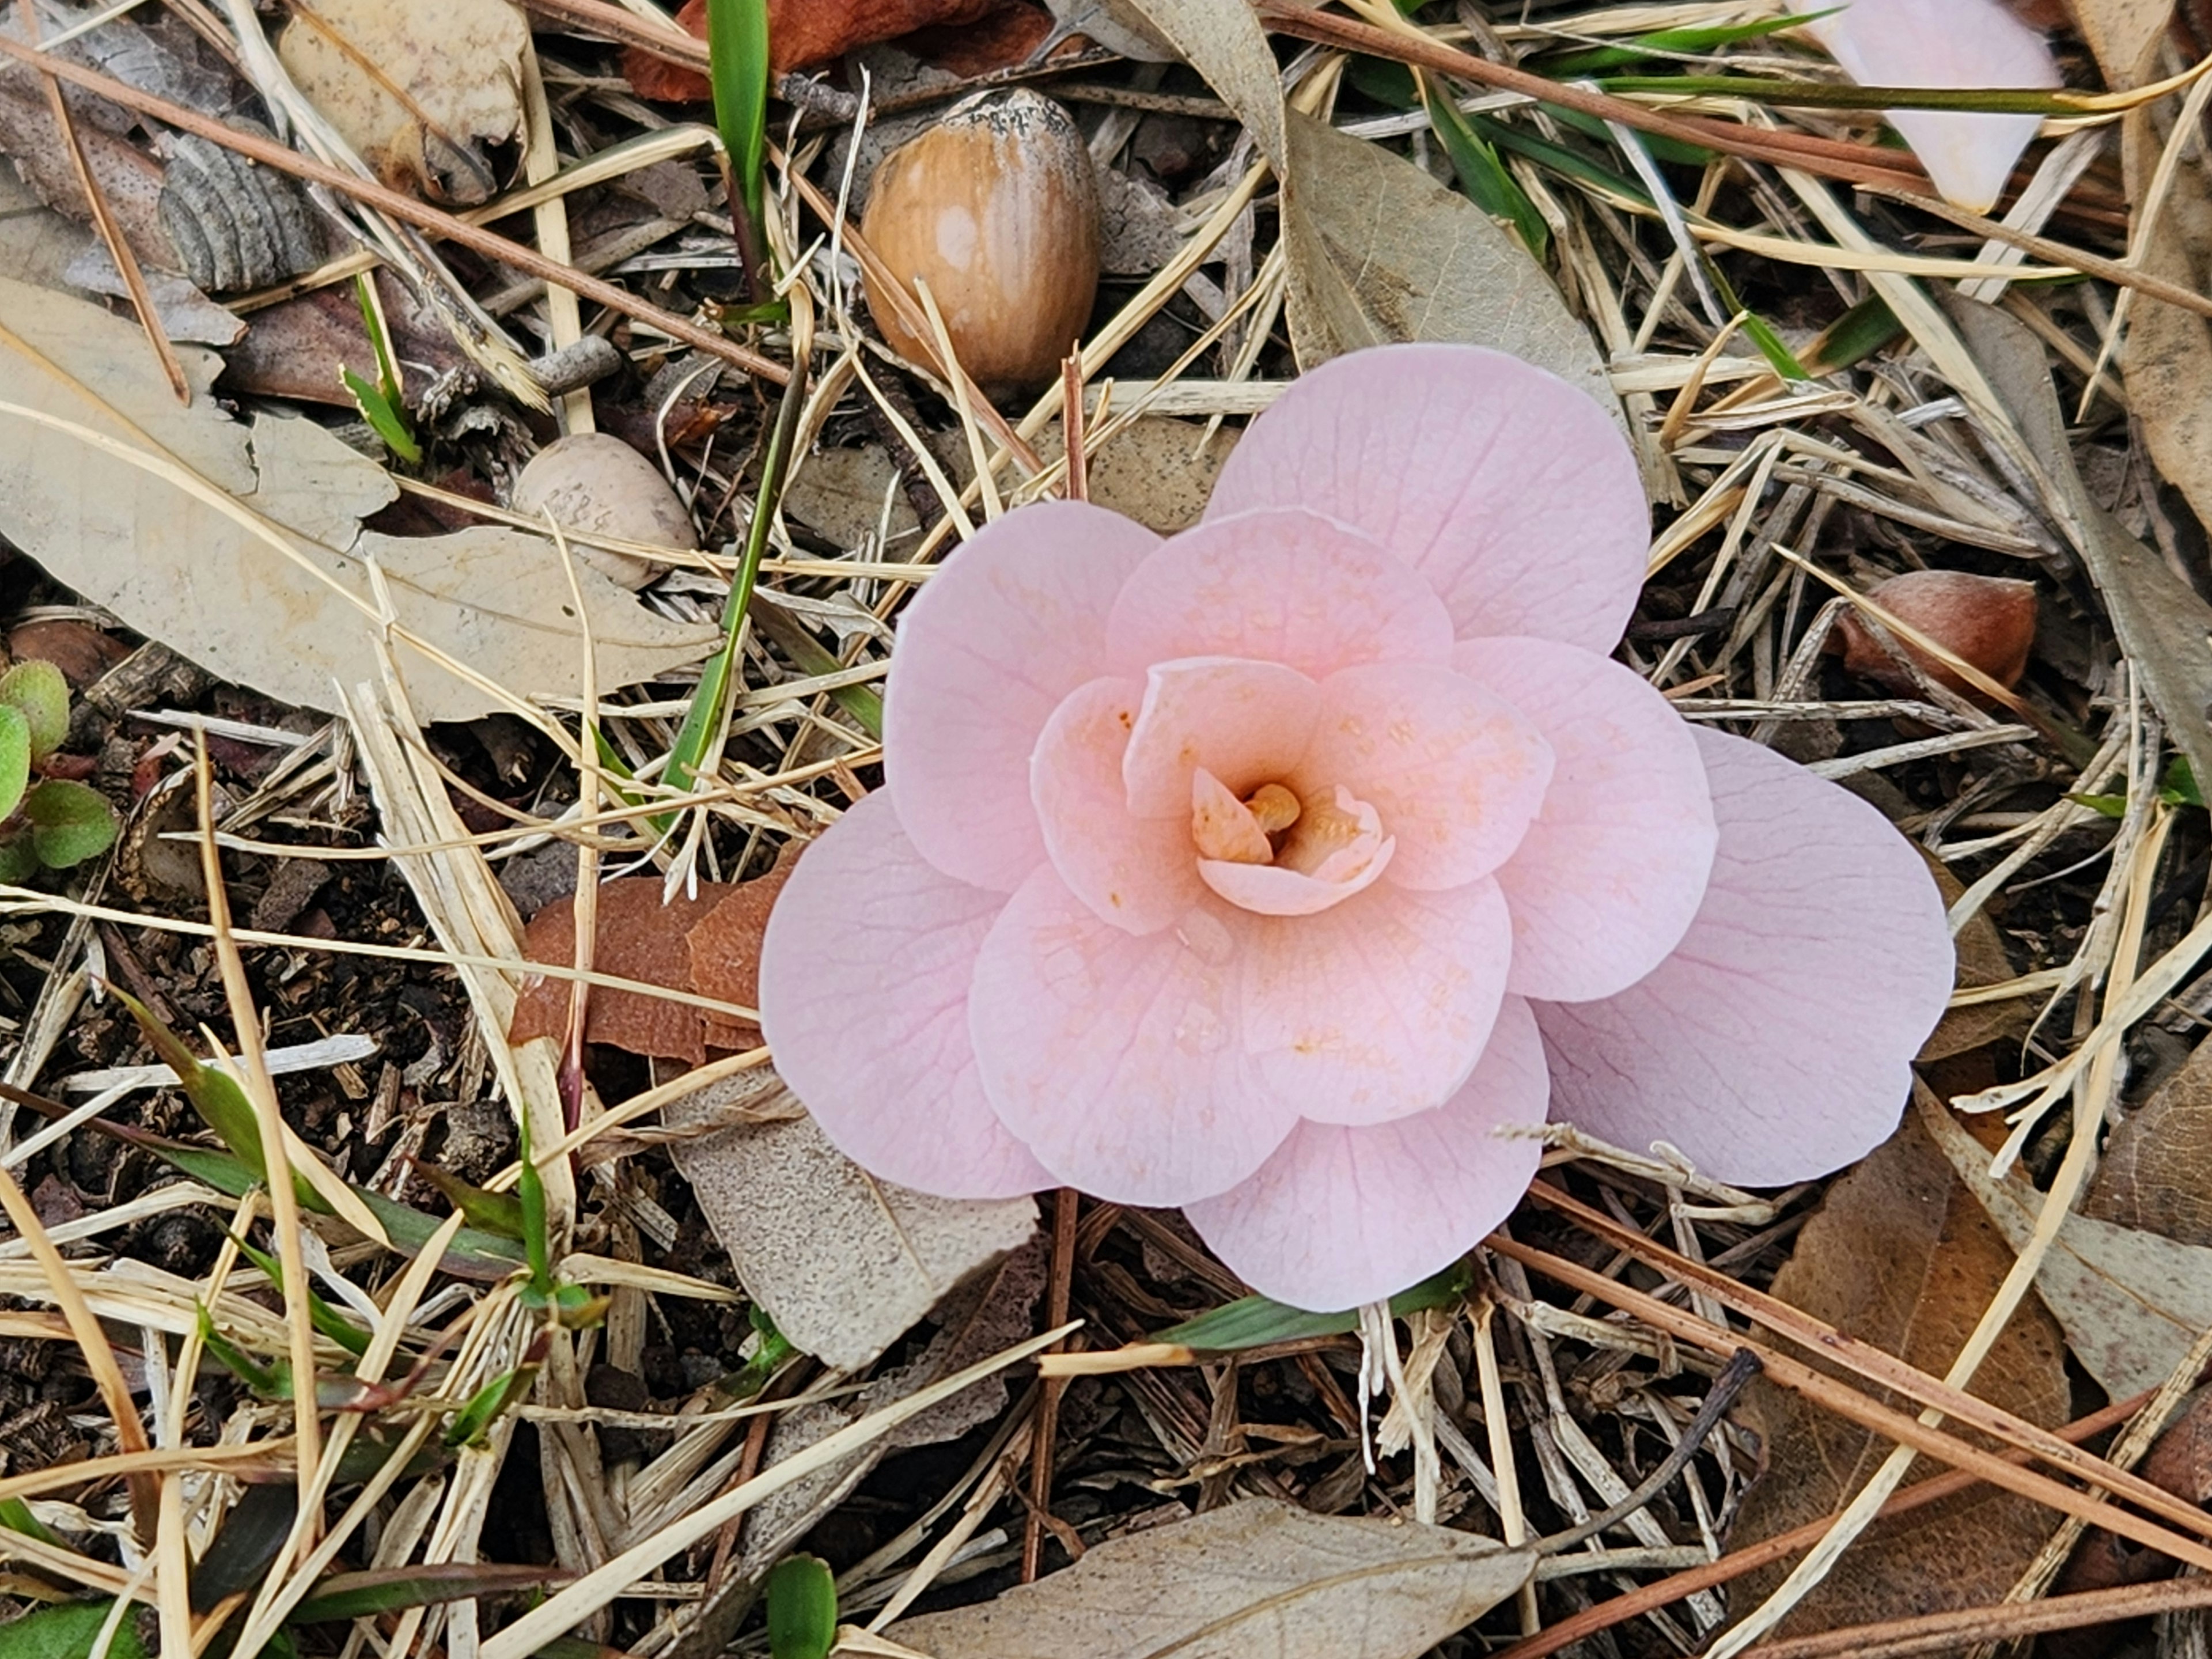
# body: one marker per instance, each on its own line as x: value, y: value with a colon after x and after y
x: 2130, y: 1302
x: 174, y: 564
x: 1899, y: 1255
x: 1158, y: 470
x: 1379, y: 251
x: 1256, y: 1578
x: 418, y: 88
x: 845, y: 1264
x: 1222, y: 40
x: 1117, y: 24
x: 2163, y: 626
x: 2157, y: 1171
x: 1981, y: 961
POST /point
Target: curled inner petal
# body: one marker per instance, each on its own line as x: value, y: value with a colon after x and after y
x: 1223, y: 827
x: 1335, y: 849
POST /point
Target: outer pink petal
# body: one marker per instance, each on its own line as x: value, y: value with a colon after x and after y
x: 1512, y: 492
x: 1014, y: 622
x: 1609, y: 875
x: 1286, y: 586
x: 1962, y: 44
x: 1776, y: 1043
x: 1246, y: 722
x: 1120, y: 1061
x: 1137, y: 874
x: 1338, y: 1216
x: 1456, y: 772
x: 864, y: 997
x: 1379, y: 1008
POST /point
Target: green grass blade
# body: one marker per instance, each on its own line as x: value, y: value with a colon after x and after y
x: 1591, y: 59
x: 737, y: 67
x: 1485, y: 178
x: 1257, y: 1321
x: 1821, y: 95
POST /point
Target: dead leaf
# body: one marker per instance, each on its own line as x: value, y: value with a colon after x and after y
x: 2163, y: 626
x: 1117, y: 24
x: 1899, y: 1255
x: 707, y: 941
x: 846, y: 1263
x: 1981, y: 961
x: 1158, y: 470
x: 800, y: 32
x: 1222, y: 40
x: 1380, y: 252
x: 2157, y: 1172
x: 2130, y: 1302
x: 418, y: 88
x: 1256, y: 1577
x: 197, y: 572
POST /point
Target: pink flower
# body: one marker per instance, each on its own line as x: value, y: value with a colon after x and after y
x: 1269, y: 870
x: 1958, y: 45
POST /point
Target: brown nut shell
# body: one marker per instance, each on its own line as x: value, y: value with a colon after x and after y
x: 1987, y: 621
x: 997, y: 210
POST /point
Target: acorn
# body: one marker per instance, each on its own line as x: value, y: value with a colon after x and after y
x: 996, y: 208
x: 1987, y: 621
x: 595, y: 483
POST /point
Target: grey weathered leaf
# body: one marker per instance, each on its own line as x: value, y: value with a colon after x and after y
x: 2164, y: 628
x: 1222, y: 40
x: 2130, y: 1302
x: 1381, y: 252
x: 845, y: 1263
x: 1257, y: 1578
x: 1117, y: 24
x: 196, y: 569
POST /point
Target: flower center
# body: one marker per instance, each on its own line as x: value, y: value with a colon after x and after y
x: 1315, y: 850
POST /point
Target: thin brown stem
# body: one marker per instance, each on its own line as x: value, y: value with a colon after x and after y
x: 1057, y: 1298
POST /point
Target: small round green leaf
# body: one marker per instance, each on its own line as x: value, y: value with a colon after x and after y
x: 802, y: 1608
x: 70, y: 822
x: 19, y: 859
x: 15, y: 758
x: 39, y: 689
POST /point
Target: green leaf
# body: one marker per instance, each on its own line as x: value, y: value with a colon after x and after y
x: 774, y: 1349
x: 383, y: 415
x: 15, y: 758
x: 269, y: 1382
x: 1257, y: 1321
x: 68, y: 1631
x: 324, y: 1317
x: 474, y: 1419
x: 15, y: 1515
x: 494, y: 1212
x: 737, y: 67
x: 70, y: 822
x: 802, y: 1608
x: 1857, y: 335
x: 394, y: 1590
x: 1488, y: 184
x: 2179, y: 788
x: 216, y: 1096
x: 19, y: 858
x: 1823, y: 94
x: 39, y: 689
x: 474, y: 1254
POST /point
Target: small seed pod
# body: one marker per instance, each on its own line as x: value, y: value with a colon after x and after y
x: 1987, y: 621
x: 594, y: 483
x: 997, y: 210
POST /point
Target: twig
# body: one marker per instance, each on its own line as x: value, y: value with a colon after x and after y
x: 1940, y: 1632
x: 1048, y: 1418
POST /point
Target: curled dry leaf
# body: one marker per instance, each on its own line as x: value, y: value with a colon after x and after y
x: 2157, y: 1170
x: 1988, y: 621
x: 800, y: 32
x: 241, y: 545
x: 1256, y: 1577
x: 418, y: 88
x: 708, y: 942
x: 1900, y: 1255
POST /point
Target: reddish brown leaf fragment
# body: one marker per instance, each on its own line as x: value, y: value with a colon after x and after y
x: 800, y: 33
x: 726, y: 947
x: 638, y: 938
x: 1987, y: 621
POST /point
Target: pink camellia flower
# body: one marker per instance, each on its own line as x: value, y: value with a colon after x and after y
x: 1948, y: 46
x: 1269, y: 870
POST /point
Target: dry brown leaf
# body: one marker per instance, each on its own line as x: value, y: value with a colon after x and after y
x: 1222, y: 40
x: 2163, y: 625
x: 800, y: 32
x: 2157, y: 1172
x: 1380, y: 252
x: 1259, y: 1577
x: 707, y: 941
x: 1117, y: 24
x: 2130, y: 1302
x: 1158, y: 470
x: 418, y: 88
x: 1899, y: 1255
x: 191, y: 569
x: 1981, y: 961
x: 846, y: 1263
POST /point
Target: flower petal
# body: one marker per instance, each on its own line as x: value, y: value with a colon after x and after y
x: 1286, y: 586
x: 1959, y: 44
x: 1776, y: 1043
x: 1456, y: 772
x: 1276, y: 889
x: 1377, y: 1009
x: 864, y: 997
x: 1013, y: 623
x: 1511, y: 491
x: 1342, y: 1216
x: 1246, y: 722
x: 1135, y: 872
x: 1608, y: 879
x: 1120, y: 1061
